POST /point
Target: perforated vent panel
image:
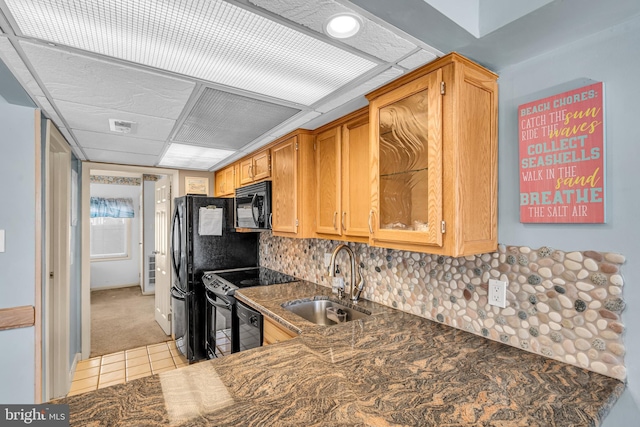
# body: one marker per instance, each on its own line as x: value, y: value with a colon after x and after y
x: 222, y: 119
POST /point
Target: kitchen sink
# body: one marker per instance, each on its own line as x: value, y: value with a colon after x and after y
x: 324, y: 312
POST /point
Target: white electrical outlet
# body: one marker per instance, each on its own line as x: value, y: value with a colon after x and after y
x: 498, y: 293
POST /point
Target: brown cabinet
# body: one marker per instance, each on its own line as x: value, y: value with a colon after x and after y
x: 292, y: 189
x: 255, y: 168
x: 273, y: 332
x: 328, y: 173
x: 342, y: 178
x: 433, y: 168
x: 225, y: 181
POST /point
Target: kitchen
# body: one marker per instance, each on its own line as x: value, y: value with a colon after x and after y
x: 607, y: 55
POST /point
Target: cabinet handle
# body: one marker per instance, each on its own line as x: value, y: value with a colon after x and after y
x: 335, y: 215
x: 344, y: 215
x: 251, y: 171
x: 270, y: 220
x: 370, y: 215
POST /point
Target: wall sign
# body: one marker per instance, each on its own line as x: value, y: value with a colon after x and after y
x: 196, y: 185
x: 561, y: 142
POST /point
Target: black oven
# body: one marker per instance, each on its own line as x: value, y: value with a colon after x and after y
x: 253, y: 206
x: 232, y: 326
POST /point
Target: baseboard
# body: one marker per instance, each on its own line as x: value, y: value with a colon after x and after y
x: 104, y: 288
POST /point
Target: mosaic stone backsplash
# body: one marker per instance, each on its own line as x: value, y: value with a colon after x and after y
x: 563, y: 305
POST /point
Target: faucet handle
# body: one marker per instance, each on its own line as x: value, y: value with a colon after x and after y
x: 359, y: 287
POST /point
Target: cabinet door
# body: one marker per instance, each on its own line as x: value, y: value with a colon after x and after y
x: 355, y: 178
x: 261, y: 165
x: 284, y: 197
x: 328, y: 211
x: 246, y: 176
x: 219, y: 179
x: 229, y: 181
x: 406, y: 163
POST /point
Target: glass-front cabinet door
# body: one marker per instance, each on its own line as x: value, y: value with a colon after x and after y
x: 406, y: 156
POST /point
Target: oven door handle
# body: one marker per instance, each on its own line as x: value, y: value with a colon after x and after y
x: 217, y: 304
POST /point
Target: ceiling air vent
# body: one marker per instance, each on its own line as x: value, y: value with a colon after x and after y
x: 122, y: 126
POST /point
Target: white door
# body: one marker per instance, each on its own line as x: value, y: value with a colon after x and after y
x: 57, y: 288
x: 163, y: 272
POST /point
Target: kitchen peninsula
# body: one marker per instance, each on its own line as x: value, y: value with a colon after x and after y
x: 389, y: 369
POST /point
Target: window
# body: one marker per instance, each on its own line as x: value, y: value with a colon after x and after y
x: 110, y: 238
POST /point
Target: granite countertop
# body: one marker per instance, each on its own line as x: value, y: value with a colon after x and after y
x: 390, y: 369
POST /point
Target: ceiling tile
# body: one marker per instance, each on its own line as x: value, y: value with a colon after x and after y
x: 373, y: 38
x: 86, y: 80
x: 11, y: 58
x: 96, y: 119
x: 127, y: 144
x: 225, y: 120
x: 419, y: 58
x: 120, y: 157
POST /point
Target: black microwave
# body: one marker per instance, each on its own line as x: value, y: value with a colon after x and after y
x: 253, y: 206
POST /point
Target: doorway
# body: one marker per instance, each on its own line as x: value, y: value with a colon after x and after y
x: 87, y: 170
x: 122, y: 291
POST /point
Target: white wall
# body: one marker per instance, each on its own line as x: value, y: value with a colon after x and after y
x: 17, y: 273
x: 612, y: 57
x: 106, y: 274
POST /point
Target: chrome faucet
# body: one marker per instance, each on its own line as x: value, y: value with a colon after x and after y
x: 355, y: 290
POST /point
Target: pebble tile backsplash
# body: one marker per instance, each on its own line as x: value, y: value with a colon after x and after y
x: 562, y: 305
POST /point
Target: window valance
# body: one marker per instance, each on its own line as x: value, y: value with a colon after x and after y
x: 111, y: 208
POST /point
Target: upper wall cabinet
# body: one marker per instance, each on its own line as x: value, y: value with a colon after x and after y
x: 433, y: 168
x: 225, y: 181
x: 255, y: 168
x: 293, y: 185
x: 342, y: 178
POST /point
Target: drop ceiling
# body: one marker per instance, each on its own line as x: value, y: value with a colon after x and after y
x: 198, y: 84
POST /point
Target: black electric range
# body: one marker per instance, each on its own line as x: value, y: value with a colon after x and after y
x: 232, y: 326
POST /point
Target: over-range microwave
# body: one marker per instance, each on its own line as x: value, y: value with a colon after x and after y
x: 253, y: 206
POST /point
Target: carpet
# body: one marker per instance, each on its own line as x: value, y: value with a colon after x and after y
x: 122, y: 319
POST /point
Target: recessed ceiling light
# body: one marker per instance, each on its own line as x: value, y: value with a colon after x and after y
x: 343, y: 25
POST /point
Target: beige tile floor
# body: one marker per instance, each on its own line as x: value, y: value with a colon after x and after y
x: 223, y: 342
x: 118, y: 368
